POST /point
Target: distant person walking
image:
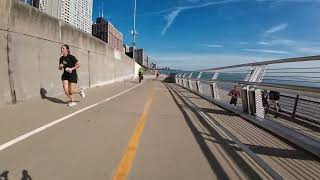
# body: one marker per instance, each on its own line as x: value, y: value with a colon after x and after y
x: 69, y: 64
x: 157, y: 74
x: 234, y: 93
x: 274, y: 96
x: 265, y: 98
x: 140, y: 73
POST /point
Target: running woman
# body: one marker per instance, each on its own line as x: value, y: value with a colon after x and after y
x: 69, y: 64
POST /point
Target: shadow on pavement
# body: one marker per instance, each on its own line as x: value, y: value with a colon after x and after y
x: 25, y: 175
x: 217, y: 111
x: 216, y: 167
x: 43, y: 94
x: 4, y: 175
x: 136, y: 81
x: 169, y: 79
x: 292, y: 154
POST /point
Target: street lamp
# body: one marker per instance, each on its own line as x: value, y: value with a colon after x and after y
x: 133, y: 32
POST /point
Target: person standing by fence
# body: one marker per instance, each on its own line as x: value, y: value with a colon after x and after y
x: 274, y: 96
x: 234, y: 93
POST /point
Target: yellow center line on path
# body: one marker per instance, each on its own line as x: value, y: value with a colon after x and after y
x: 129, y: 155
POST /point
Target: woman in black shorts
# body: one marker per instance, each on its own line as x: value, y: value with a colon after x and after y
x: 69, y: 64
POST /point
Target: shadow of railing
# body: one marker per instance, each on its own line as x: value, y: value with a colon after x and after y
x: 285, y: 158
x: 226, y: 146
x: 169, y: 79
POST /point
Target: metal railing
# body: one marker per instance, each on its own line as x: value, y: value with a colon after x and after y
x: 300, y: 107
x: 297, y: 80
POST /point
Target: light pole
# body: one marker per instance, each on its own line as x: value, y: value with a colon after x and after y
x: 133, y: 32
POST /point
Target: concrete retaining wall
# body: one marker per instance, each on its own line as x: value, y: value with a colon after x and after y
x: 5, y: 93
x: 136, y: 69
x: 30, y: 48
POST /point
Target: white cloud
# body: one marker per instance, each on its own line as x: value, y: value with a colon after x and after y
x: 156, y: 12
x: 243, y: 43
x: 170, y: 18
x: 193, y: 1
x: 212, y: 45
x: 309, y: 50
x: 286, y: 42
x: 267, y: 51
x: 176, y: 11
x: 276, y: 28
x: 264, y: 43
x: 191, y: 61
x: 302, y: 1
x: 301, y: 48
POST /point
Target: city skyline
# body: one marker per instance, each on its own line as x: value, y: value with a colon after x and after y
x: 75, y: 12
x: 236, y: 31
x: 105, y: 31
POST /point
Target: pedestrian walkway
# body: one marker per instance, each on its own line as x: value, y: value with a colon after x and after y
x: 152, y: 130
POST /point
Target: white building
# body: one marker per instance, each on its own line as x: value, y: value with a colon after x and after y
x: 75, y: 12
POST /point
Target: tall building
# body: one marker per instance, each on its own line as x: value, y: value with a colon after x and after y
x: 105, y: 31
x: 34, y: 3
x: 142, y: 58
x: 75, y: 12
x: 51, y: 7
x: 126, y: 48
x: 129, y: 51
x: 139, y: 56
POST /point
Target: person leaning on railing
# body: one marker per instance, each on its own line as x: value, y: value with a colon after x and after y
x: 234, y: 93
x: 274, y: 96
x: 265, y: 103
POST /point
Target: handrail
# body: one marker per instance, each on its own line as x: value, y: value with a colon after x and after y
x: 270, y: 85
x: 290, y: 79
x: 279, y: 61
x: 302, y: 90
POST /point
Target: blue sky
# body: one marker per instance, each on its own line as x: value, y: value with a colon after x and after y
x: 197, y: 34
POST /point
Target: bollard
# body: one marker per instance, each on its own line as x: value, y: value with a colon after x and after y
x: 252, y: 101
x: 212, y: 90
x: 295, y: 106
x: 244, y: 99
x: 197, y: 85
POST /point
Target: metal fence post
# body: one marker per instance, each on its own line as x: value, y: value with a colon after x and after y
x: 212, y: 90
x: 295, y: 106
x: 197, y: 86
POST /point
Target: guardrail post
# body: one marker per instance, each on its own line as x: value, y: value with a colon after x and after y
x: 184, y: 80
x: 197, y: 86
x: 200, y: 91
x: 213, y: 85
x: 212, y: 90
x: 255, y: 105
x: 260, y: 112
x: 189, y: 81
x: 295, y: 106
x: 252, y: 101
x: 244, y: 99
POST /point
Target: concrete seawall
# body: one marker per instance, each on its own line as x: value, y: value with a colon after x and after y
x: 30, y: 50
